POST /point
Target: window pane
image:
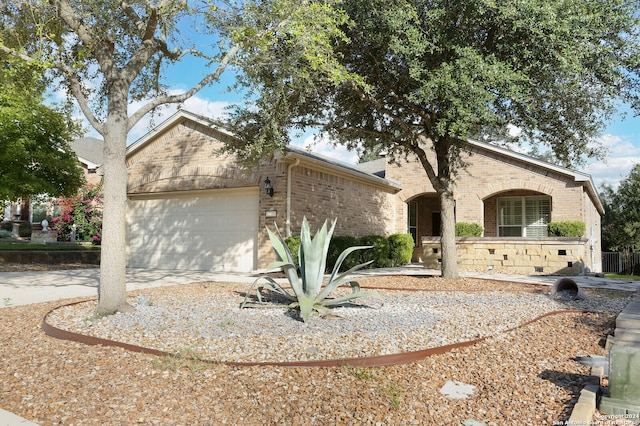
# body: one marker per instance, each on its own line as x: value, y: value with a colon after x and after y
x: 510, y: 212
x: 538, y: 211
x: 510, y: 231
x: 532, y: 222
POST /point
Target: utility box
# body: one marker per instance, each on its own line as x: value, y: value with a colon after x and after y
x: 624, y: 383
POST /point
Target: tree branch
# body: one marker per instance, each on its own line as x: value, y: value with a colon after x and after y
x: 74, y: 85
x: 174, y: 99
x: 102, y: 55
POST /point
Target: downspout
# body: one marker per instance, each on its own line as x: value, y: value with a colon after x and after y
x: 287, y: 226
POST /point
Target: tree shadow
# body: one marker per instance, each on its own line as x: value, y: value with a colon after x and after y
x: 571, y: 382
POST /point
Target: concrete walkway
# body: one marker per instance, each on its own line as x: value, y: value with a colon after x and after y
x: 23, y: 288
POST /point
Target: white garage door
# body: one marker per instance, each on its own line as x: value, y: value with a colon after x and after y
x: 211, y: 231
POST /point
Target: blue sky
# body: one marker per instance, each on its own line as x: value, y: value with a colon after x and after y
x: 621, y: 137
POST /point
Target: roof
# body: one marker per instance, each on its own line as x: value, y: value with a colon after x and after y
x: 337, y: 166
x: 373, y: 171
x: 172, y: 121
x: 89, y: 150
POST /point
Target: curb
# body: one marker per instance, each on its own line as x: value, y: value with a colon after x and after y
x: 585, y: 408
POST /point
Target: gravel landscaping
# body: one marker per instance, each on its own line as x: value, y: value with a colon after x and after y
x: 525, y: 376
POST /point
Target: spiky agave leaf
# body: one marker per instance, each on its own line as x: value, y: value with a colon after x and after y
x: 285, y: 262
x: 336, y: 280
x: 272, y: 285
x: 355, y: 293
x: 309, y: 294
x: 313, y: 256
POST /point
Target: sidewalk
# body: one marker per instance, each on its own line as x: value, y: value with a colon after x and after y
x: 23, y: 288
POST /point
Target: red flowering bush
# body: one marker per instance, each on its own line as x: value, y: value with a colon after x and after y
x: 83, y: 210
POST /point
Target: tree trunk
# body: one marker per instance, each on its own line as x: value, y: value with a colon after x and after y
x: 444, y: 184
x: 449, y: 266
x: 112, y: 290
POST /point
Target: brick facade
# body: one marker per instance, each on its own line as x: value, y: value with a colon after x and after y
x: 492, y: 173
x: 184, y: 155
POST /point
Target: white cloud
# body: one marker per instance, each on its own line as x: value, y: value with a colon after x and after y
x: 623, y: 156
x: 323, y: 146
x: 195, y: 104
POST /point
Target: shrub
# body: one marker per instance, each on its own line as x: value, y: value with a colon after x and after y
x: 6, y: 226
x: 400, y: 249
x: 24, y: 230
x: 4, y: 233
x: 338, y: 245
x: 465, y: 229
x: 83, y: 210
x: 293, y: 243
x: 566, y: 228
x: 379, y: 253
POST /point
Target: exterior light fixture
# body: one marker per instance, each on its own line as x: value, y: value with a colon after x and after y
x: 268, y: 188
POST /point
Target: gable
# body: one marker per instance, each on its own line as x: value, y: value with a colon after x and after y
x: 183, y: 155
x: 492, y: 170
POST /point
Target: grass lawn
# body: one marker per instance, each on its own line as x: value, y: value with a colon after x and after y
x: 10, y: 245
x: 627, y: 277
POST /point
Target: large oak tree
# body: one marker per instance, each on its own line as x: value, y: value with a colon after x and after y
x: 434, y: 73
x: 108, y: 53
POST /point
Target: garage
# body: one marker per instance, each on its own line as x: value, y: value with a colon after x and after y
x: 213, y: 230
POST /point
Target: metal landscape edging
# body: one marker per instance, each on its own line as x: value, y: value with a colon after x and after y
x: 369, y: 361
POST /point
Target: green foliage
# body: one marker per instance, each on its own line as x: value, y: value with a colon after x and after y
x: 35, y: 156
x: 401, y: 249
x: 379, y: 252
x: 338, y: 245
x: 428, y: 75
x: 4, y: 233
x: 566, y: 228
x: 24, y: 230
x: 621, y: 221
x: 310, y: 293
x: 293, y: 243
x: 84, y: 210
x: 6, y: 226
x: 465, y: 229
x: 6, y: 245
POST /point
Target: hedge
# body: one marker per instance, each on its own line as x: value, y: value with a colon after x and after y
x: 396, y: 250
x: 379, y: 253
x: 464, y: 229
x: 566, y: 228
x: 401, y: 249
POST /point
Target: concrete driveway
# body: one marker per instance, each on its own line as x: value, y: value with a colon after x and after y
x: 23, y: 288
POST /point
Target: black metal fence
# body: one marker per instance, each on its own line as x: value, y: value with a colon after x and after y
x: 621, y: 263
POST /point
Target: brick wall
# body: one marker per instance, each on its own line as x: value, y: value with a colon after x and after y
x: 490, y: 175
x: 185, y: 157
x: 360, y: 208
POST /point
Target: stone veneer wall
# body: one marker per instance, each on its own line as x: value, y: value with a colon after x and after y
x: 563, y: 256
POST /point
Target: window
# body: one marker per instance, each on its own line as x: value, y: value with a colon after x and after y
x: 412, y: 220
x: 523, y: 216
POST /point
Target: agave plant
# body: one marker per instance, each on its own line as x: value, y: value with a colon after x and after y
x: 309, y: 292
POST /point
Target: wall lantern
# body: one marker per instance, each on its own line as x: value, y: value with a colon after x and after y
x: 268, y: 188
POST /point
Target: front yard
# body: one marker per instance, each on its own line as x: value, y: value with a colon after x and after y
x: 525, y: 376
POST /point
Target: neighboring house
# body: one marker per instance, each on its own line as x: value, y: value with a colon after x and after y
x: 90, y: 152
x: 192, y: 207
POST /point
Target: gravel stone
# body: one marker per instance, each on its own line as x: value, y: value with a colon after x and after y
x: 525, y: 376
